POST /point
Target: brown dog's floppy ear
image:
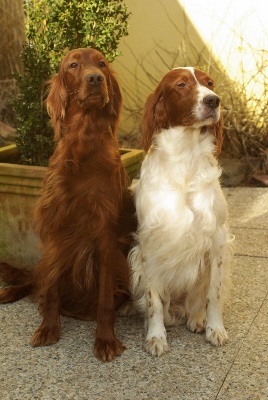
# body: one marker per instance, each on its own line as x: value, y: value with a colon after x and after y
x: 154, y: 119
x: 56, y: 104
x: 218, y: 132
x: 115, y: 100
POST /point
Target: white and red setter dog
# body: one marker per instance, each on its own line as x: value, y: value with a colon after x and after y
x: 85, y: 214
x: 181, y: 257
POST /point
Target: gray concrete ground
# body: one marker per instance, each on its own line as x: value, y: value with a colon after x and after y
x: 192, y: 370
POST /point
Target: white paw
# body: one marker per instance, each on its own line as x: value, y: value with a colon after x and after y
x: 156, y: 346
x: 216, y: 336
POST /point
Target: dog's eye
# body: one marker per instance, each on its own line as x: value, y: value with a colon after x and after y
x: 102, y: 64
x: 73, y: 65
x: 181, y: 84
x: 210, y: 83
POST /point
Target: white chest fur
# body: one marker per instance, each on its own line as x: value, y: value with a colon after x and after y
x: 180, y: 179
x: 180, y: 205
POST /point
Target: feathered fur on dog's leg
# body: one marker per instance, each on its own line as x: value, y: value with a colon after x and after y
x: 219, y: 282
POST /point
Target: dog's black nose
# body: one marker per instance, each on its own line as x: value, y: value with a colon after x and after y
x: 95, y: 79
x: 211, y: 101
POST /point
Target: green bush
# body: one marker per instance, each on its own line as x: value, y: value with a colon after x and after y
x: 54, y: 27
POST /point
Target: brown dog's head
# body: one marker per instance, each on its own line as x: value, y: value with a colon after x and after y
x: 84, y: 83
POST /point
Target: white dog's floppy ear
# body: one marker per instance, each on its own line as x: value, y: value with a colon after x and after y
x: 154, y: 118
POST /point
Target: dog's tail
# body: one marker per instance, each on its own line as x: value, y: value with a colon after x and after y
x: 22, y: 280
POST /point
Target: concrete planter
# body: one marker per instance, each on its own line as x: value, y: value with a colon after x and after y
x: 19, y: 189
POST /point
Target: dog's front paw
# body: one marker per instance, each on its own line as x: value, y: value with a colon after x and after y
x: 216, y: 336
x: 45, y: 335
x: 108, y: 350
x: 156, y: 346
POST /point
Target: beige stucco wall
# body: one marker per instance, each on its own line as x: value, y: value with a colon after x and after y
x: 161, y: 36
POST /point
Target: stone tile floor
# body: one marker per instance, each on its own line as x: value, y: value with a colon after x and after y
x: 192, y: 370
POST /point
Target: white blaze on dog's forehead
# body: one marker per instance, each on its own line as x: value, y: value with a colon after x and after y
x: 202, y: 90
x: 190, y: 69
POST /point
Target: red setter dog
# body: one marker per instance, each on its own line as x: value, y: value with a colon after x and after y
x: 85, y: 214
